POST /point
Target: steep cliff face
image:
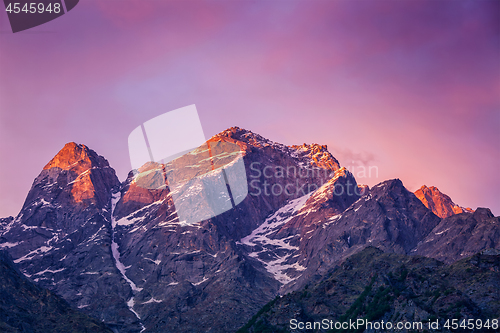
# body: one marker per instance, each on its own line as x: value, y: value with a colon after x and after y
x: 438, y: 202
x: 82, y: 176
x: 76, y: 177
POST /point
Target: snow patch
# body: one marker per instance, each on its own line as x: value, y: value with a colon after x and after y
x: 332, y: 220
x: 441, y: 232
x: 50, y: 271
x: 119, y: 265
x: 262, y: 236
x: 275, y: 221
x: 33, y: 253
x: 278, y: 269
x: 130, y: 304
x: 129, y: 220
x: 94, y: 236
x: 157, y: 261
x: 28, y: 227
x: 153, y: 300
x: 198, y: 283
x: 9, y: 245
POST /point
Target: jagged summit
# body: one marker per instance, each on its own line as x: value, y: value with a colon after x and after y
x: 311, y: 154
x: 438, y: 202
x: 319, y: 154
x: 75, y: 173
x: 246, y: 136
x: 63, y: 232
x: 74, y: 155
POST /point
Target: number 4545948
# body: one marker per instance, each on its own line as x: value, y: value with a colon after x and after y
x: 471, y: 324
x: 33, y: 8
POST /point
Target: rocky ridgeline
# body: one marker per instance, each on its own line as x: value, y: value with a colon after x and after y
x: 118, y: 251
x: 438, y: 202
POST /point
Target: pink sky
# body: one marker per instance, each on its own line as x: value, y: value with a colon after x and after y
x: 411, y: 87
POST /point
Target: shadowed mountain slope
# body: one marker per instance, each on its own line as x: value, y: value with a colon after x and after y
x: 25, y: 307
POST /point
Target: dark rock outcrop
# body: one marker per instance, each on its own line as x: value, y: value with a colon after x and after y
x: 462, y: 235
x: 391, y: 288
x: 25, y: 307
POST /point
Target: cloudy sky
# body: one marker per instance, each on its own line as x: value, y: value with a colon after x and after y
x: 411, y: 87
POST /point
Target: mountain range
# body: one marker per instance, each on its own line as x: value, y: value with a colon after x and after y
x: 118, y: 252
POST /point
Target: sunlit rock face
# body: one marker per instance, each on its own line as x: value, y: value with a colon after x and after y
x: 76, y: 179
x: 61, y: 237
x: 438, y: 202
x: 86, y: 177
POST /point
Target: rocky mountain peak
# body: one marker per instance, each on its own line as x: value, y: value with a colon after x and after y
x: 314, y: 155
x: 387, y: 186
x: 319, y: 155
x: 305, y: 156
x: 244, y: 136
x: 438, y: 202
x: 341, y: 190
x: 78, y: 170
x: 76, y: 175
x: 483, y: 213
x: 75, y: 156
x: 62, y: 235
